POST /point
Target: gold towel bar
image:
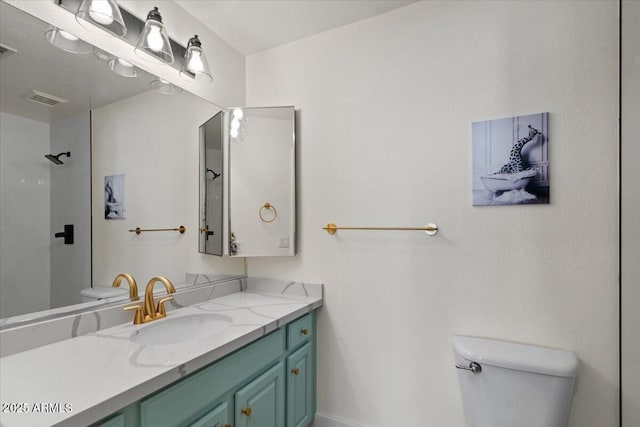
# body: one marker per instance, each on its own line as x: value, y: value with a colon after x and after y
x: 139, y: 230
x: 430, y: 228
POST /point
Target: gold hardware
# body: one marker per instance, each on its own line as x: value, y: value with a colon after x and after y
x: 149, y: 313
x: 139, y: 230
x: 227, y: 425
x: 295, y: 371
x: 246, y: 411
x: 304, y: 331
x: 203, y: 229
x: 138, y: 317
x: 430, y: 228
x: 268, y: 206
x: 133, y: 287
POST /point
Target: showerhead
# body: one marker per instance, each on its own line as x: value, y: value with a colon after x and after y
x: 56, y: 159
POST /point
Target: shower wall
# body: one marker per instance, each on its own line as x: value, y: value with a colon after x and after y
x: 71, y: 204
x: 24, y: 215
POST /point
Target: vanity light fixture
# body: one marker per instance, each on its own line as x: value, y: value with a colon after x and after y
x: 122, y: 68
x: 102, y: 13
x: 195, y: 66
x: 154, y: 40
x: 67, y: 41
x: 164, y: 87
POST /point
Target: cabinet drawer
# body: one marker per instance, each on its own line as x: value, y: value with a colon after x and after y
x: 299, y: 331
x: 177, y: 404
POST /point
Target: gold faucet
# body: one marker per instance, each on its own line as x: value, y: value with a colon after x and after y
x: 133, y: 287
x: 149, y: 312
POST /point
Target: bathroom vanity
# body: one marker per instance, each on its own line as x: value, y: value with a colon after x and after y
x: 246, y: 358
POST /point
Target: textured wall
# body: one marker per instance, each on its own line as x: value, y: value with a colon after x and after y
x: 384, y: 138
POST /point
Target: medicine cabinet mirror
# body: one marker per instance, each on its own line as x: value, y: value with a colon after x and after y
x: 261, y: 182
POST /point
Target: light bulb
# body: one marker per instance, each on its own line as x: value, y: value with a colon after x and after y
x: 195, y: 63
x: 154, y: 39
x: 234, y: 133
x: 101, y: 12
x: 235, y: 123
x: 67, y: 36
x: 238, y: 114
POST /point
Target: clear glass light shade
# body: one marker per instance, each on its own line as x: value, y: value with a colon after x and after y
x: 103, y: 13
x: 164, y: 87
x: 154, y: 40
x: 66, y: 41
x: 195, y: 66
x: 122, y: 68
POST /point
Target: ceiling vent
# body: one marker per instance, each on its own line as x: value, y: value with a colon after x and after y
x: 43, y: 98
x: 6, y: 51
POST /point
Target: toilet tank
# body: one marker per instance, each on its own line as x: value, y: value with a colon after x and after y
x: 517, y: 385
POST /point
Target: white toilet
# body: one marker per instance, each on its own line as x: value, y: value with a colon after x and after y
x: 504, y: 384
x: 103, y: 292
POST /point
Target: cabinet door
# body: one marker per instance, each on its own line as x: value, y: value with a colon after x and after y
x: 218, y: 417
x: 300, y: 388
x: 261, y: 402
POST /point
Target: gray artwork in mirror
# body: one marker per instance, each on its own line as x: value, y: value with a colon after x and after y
x: 262, y: 202
x: 211, y: 185
x: 53, y: 161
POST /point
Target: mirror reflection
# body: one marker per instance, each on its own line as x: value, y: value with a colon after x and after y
x: 211, y: 185
x: 90, y: 123
x: 262, y: 181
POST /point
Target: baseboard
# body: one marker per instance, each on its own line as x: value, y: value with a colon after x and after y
x: 326, y: 421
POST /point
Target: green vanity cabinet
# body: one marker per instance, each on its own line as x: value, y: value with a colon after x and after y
x: 218, y: 417
x: 261, y: 402
x: 268, y: 383
x: 300, y: 387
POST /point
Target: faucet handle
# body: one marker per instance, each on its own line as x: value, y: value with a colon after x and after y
x: 137, y: 318
x: 160, y: 310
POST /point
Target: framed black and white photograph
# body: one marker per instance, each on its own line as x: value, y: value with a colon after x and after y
x: 511, y: 160
x: 114, y: 207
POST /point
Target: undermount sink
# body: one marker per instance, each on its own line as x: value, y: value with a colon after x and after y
x: 171, y: 330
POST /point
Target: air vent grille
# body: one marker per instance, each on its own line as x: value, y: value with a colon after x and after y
x: 6, y: 51
x: 44, y: 98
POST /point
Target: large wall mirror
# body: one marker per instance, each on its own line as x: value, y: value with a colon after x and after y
x: 262, y: 203
x: 83, y: 124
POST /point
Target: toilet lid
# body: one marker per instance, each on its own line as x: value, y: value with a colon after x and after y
x: 101, y: 292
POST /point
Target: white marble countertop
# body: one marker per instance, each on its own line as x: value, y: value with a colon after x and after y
x: 83, y: 379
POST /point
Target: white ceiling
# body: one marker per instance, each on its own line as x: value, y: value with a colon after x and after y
x: 252, y: 26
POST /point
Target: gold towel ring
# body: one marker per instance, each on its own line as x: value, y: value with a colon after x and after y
x: 268, y: 206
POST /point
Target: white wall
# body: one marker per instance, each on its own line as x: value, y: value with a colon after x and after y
x: 24, y: 215
x: 153, y: 140
x: 385, y: 139
x: 630, y: 237
x: 71, y: 204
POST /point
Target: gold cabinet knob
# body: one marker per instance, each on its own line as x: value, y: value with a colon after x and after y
x: 246, y: 411
x: 304, y: 331
x: 227, y: 425
x: 295, y: 371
